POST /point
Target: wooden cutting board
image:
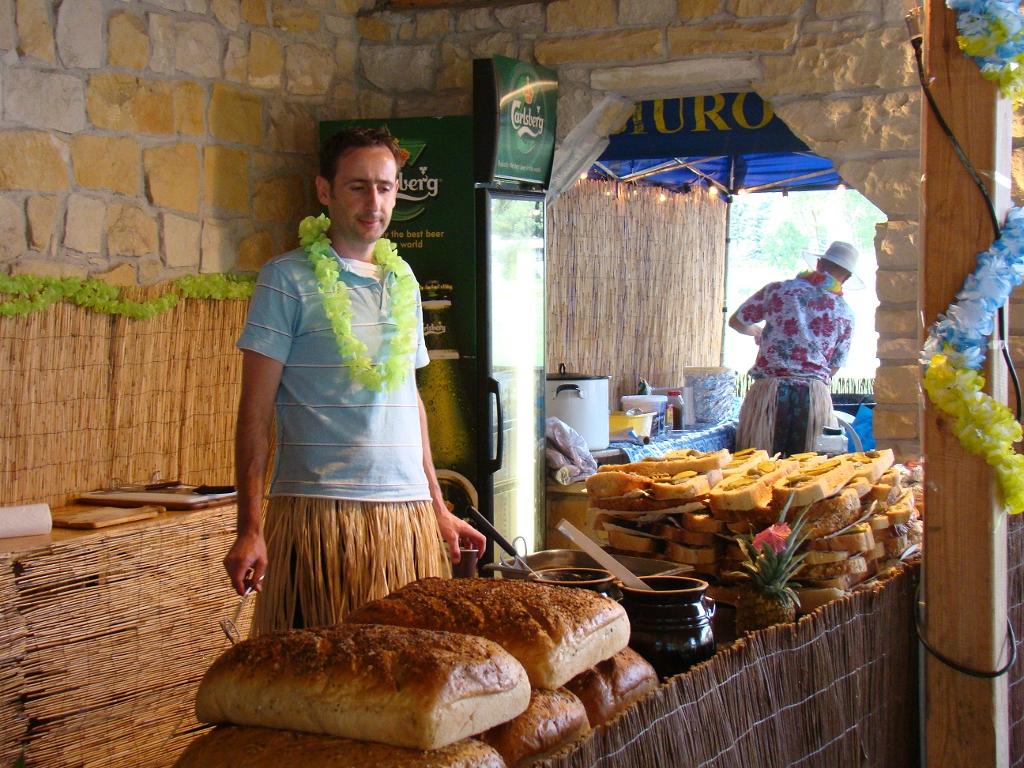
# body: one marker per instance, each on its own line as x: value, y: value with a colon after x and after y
x: 101, y: 517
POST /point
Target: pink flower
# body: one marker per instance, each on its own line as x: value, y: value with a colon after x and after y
x: 774, y: 537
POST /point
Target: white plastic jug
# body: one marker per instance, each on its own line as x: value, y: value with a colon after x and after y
x: 831, y: 441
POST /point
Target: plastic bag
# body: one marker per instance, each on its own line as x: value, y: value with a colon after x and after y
x: 568, y: 458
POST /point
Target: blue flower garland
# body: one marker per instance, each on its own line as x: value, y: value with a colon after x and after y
x: 992, y: 33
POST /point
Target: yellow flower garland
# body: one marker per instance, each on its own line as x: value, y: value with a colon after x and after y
x: 984, y: 427
x: 394, y: 367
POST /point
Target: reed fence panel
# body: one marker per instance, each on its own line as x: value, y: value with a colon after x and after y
x: 89, y: 398
x: 636, y: 283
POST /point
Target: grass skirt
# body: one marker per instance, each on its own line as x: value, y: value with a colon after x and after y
x: 759, y: 414
x: 327, y: 557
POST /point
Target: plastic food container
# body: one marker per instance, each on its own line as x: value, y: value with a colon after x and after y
x: 618, y: 421
x: 647, y: 404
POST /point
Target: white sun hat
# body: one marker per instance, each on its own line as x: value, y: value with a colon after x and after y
x: 842, y: 255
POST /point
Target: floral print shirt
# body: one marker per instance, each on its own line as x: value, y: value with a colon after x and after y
x: 807, y: 327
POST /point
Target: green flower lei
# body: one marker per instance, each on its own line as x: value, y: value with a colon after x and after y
x: 392, y: 370
x: 34, y: 293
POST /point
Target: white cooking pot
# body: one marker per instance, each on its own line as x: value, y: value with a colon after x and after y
x: 580, y: 401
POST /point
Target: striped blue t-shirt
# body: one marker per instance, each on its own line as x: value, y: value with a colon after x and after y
x: 335, y: 438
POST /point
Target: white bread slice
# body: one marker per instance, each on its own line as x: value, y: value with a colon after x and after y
x: 632, y: 542
x: 844, y: 582
x: 642, y: 502
x: 681, y: 489
x: 903, y: 511
x: 683, y: 536
x: 807, y: 486
x: 857, y: 539
x: 700, y: 523
x: 825, y: 556
x: 752, y: 488
x: 609, y: 484
x: 850, y: 566
x: 681, y: 553
x: 743, y: 461
x: 860, y: 484
x: 672, y: 463
x: 871, y: 465
x: 812, y: 598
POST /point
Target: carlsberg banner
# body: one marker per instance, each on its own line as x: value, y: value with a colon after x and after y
x: 527, y: 97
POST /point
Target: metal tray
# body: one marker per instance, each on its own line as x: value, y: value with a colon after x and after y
x: 573, y: 558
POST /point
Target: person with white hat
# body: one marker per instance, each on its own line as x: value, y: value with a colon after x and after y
x: 804, y: 340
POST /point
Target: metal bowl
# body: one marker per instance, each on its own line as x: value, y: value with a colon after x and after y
x: 574, y: 558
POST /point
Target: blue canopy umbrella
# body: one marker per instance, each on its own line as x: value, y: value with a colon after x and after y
x: 731, y: 141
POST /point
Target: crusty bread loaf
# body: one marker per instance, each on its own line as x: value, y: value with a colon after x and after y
x: 554, y: 632
x: 700, y: 522
x: 241, y: 747
x: 553, y: 720
x: 406, y: 687
x: 613, y: 685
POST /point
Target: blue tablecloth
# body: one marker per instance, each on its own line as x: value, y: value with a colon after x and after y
x: 703, y: 437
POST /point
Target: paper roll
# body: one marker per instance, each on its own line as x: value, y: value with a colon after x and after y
x: 25, y: 520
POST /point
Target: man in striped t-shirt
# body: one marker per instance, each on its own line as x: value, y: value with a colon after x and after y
x: 355, y: 509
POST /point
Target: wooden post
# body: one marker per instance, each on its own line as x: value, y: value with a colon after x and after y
x: 965, y: 523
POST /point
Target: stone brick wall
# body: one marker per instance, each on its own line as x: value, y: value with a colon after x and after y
x: 140, y: 141
x: 144, y: 140
x: 839, y: 72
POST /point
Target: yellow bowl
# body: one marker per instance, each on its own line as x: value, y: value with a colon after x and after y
x: 641, y: 423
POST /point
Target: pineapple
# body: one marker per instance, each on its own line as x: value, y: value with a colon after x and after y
x: 767, y: 597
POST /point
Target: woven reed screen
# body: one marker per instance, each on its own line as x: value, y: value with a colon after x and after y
x: 106, y: 636
x: 635, y: 283
x: 1015, y: 603
x: 88, y: 398
x: 838, y: 688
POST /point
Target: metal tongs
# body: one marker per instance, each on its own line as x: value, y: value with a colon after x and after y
x: 230, y: 626
x: 517, y: 562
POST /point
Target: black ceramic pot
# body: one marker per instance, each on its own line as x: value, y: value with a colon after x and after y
x: 670, y: 623
x: 594, y: 579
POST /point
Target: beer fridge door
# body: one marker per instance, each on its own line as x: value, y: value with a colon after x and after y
x: 511, y: 335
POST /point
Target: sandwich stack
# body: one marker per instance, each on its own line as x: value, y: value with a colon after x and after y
x: 659, y: 507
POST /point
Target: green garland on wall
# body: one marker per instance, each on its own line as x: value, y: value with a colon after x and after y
x: 33, y: 293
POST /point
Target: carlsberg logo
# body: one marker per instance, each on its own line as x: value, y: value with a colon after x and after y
x: 416, y: 190
x: 526, y: 121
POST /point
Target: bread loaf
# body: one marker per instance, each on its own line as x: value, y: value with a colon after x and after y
x: 238, y: 747
x: 605, y: 484
x: 807, y: 486
x: 553, y: 720
x: 555, y: 632
x: 750, y: 489
x: 672, y: 463
x: 405, y: 687
x: 613, y: 685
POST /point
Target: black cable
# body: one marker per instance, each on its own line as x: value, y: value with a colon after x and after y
x: 916, y: 42
x: 954, y: 664
x: 918, y: 55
